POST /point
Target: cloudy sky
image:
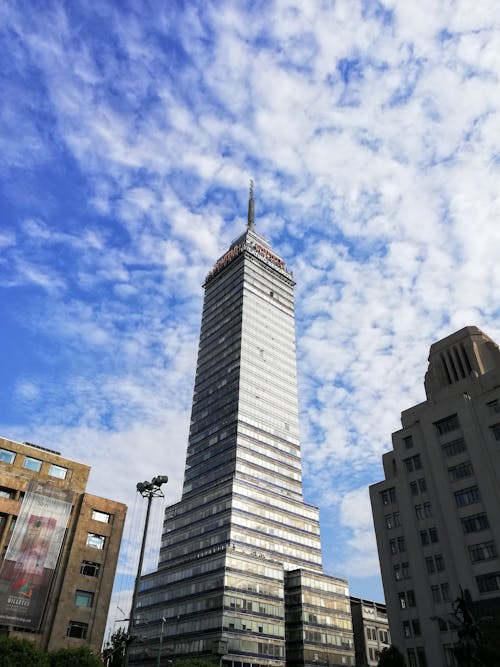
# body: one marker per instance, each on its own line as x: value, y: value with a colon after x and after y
x: 128, y: 135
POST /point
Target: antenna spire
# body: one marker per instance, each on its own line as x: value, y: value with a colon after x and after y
x: 251, y: 217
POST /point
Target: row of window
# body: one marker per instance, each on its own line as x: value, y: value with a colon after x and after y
x: 371, y: 633
x: 7, y: 456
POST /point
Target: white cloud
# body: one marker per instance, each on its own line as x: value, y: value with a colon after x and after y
x: 374, y: 142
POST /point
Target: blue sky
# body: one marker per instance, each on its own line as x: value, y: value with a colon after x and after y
x: 128, y: 135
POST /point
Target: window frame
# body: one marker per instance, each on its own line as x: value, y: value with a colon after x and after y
x: 10, y: 458
x: 86, y: 596
x: 52, y: 471
x: 90, y: 536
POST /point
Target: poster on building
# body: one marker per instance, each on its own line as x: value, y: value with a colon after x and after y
x: 28, y: 568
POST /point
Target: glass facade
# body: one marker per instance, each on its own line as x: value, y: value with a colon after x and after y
x: 241, y: 542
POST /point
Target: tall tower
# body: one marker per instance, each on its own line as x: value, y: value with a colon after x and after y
x: 240, y: 566
x: 436, y: 512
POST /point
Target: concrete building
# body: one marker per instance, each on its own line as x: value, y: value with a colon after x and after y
x: 436, y: 513
x: 59, y: 548
x: 240, y: 568
x: 371, y: 631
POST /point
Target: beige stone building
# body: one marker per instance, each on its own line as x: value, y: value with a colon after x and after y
x: 436, y: 513
x: 371, y: 631
x: 59, y: 549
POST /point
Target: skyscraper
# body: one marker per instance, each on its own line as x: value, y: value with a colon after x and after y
x: 436, y: 512
x: 240, y: 566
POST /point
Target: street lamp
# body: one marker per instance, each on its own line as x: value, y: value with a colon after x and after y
x: 147, y: 490
x: 158, y: 657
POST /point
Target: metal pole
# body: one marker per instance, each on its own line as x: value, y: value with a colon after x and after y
x: 158, y: 658
x: 136, y: 585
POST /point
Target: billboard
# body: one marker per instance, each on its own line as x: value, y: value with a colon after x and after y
x: 31, y: 558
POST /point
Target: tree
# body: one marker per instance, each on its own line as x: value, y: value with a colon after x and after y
x: 115, y: 649
x: 391, y: 657
x: 74, y: 657
x: 16, y: 652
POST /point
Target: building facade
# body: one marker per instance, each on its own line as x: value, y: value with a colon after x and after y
x: 371, y: 631
x: 59, y: 548
x: 436, y: 512
x: 240, y: 568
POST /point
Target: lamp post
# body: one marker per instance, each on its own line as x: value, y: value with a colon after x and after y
x: 158, y: 658
x: 147, y: 490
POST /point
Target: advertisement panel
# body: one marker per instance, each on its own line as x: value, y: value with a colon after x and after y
x: 31, y: 558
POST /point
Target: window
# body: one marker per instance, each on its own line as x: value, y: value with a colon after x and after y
x: 389, y: 521
x: 429, y: 536
x: 488, y: 582
x: 408, y: 442
x: 494, y: 406
x: 412, y: 658
x: 454, y: 447
x: 443, y: 625
x: 32, y: 464
x: 439, y: 560
x: 427, y: 509
x: 429, y: 564
x: 405, y: 568
x: 95, y: 541
x: 495, y: 429
x: 397, y: 545
x: 77, y: 629
x: 475, y: 523
x: 90, y: 569
x: 382, y: 635
x: 406, y: 599
x: 388, y: 496
x: 436, y: 593
x: 484, y: 551
x: 101, y: 516
x: 397, y: 573
x: 467, y: 496
x: 415, y: 624
x: 447, y: 425
x: 460, y: 471
x: 406, y: 629
x: 445, y: 592
x: 449, y: 652
x: 5, y: 492
x: 84, y: 599
x: 413, y: 463
x: 419, y: 512
x: 401, y: 571
x: 57, y: 471
x: 422, y: 660
x: 418, y: 487
x: 7, y: 456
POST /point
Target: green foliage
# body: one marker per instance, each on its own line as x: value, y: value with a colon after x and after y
x: 115, y: 649
x: 74, y: 657
x: 391, y: 657
x: 21, y: 653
